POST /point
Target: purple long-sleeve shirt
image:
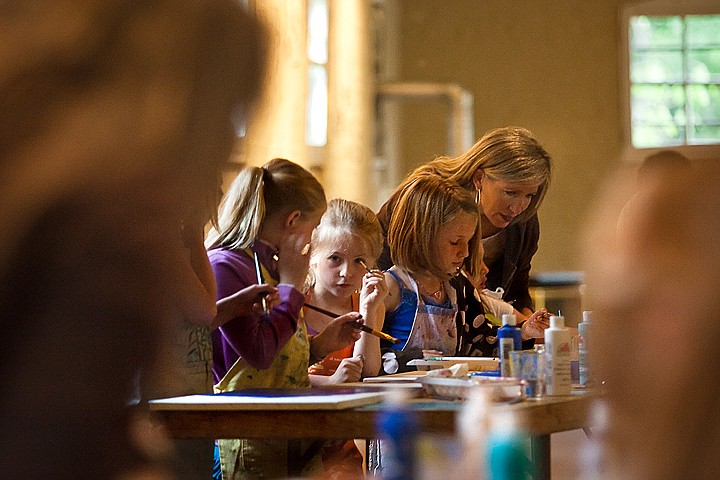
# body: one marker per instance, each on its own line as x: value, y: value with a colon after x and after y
x: 256, y: 339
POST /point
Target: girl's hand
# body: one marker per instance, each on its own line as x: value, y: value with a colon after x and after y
x: 374, y: 289
x: 293, y: 260
x: 349, y: 370
x: 535, y: 326
x: 337, y: 335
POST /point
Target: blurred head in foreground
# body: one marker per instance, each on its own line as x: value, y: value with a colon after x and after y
x: 655, y: 289
x: 116, y: 117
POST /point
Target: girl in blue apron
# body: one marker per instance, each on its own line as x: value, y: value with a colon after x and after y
x: 433, y: 233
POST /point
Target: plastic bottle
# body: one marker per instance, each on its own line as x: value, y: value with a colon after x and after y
x: 509, y: 339
x: 583, y: 329
x: 472, y: 426
x: 557, y: 347
x: 399, y: 428
x: 506, y: 458
x: 538, y: 390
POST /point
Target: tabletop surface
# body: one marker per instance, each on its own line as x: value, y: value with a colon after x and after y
x: 537, y: 417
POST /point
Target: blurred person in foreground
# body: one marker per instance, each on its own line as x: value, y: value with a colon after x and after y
x: 654, y: 290
x: 117, y: 117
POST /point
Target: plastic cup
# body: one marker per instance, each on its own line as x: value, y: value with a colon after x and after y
x: 524, y: 365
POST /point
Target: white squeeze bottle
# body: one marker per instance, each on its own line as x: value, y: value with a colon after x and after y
x: 557, y: 351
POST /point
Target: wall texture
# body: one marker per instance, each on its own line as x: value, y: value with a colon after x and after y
x: 551, y: 66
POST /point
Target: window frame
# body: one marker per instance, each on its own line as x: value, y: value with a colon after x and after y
x: 656, y: 8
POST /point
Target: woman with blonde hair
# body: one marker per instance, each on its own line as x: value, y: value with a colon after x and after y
x: 508, y: 172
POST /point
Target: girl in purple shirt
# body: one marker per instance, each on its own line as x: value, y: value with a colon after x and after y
x: 269, y: 213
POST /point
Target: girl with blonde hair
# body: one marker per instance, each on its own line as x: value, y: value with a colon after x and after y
x: 344, y: 247
x: 265, y: 225
x: 433, y: 232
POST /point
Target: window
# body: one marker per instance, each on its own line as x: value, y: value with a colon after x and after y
x: 674, y: 78
x: 317, y: 98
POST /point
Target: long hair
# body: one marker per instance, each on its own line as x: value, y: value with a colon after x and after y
x: 278, y: 187
x: 509, y: 154
x: 425, y: 204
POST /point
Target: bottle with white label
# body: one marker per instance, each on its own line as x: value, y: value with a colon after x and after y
x: 583, y: 337
x: 509, y: 339
x: 557, y: 354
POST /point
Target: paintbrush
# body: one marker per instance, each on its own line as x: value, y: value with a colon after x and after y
x: 258, y: 274
x: 359, y: 326
x: 365, y: 266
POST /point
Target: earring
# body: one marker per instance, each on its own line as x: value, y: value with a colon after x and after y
x: 477, y: 196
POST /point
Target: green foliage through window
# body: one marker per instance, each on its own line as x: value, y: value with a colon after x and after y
x: 675, y: 80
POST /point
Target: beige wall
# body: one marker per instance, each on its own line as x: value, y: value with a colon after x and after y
x: 548, y: 65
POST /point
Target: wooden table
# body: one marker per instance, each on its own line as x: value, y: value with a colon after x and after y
x: 539, y: 418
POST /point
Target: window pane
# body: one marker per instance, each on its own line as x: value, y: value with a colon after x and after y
x: 651, y: 32
x: 657, y: 104
x: 704, y: 65
x: 703, y: 30
x: 658, y: 115
x: 316, y: 121
x: 647, y: 137
x: 656, y: 67
x: 704, y: 103
x: 318, y: 31
x: 703, y: 135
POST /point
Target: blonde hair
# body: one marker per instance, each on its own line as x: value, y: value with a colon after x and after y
x: 426, y: 203
x: 509, y: 154
x: 344, y: 217
x: 278, y: 187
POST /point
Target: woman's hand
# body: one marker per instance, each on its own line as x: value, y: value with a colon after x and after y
x: 338, y: 334
x: 535, y: 325
x: 245, y: 302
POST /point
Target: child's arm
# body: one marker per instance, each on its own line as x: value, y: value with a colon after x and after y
x: 253, y: 337
x: 372, y: 308
x: 193, y: 289
x: 349, y: 370
x: 392, y: 299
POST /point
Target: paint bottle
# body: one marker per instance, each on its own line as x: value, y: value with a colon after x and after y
x: 583, y: 338
x: 506, y: 444
x: 472, y: 427
x: 557, y: 348
x: 509, y: 339
x: 399, y: 428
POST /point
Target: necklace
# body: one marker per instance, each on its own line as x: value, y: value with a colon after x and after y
x: 437, y: 294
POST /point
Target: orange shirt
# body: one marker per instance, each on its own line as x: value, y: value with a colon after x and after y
x: 329, y: 365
